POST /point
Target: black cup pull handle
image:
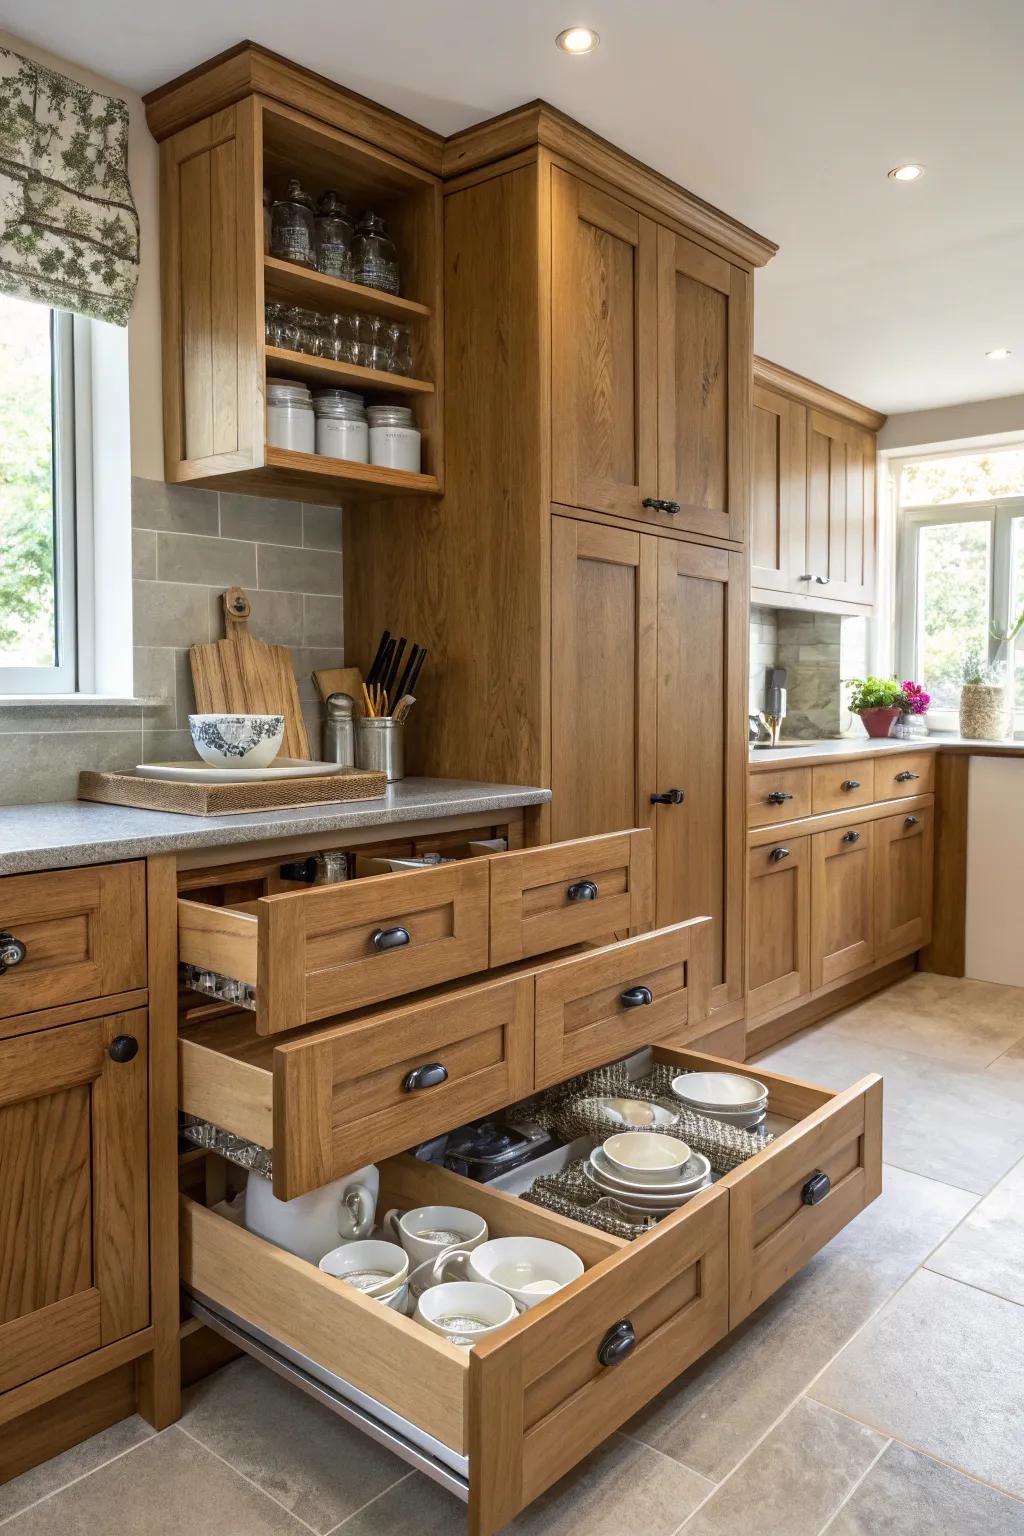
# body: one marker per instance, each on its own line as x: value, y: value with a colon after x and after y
x: 583, y: 890
x: 849, y: 784
x: 817, y: 1187
x: 636, y: 997
x: 906, y: 776
x: 390, y: 938
x: 617, y: 1343
x: 669, y: 797
x: 123, y: 1048
x: 778, y: 854
x: 428, y: 1076
x: 778, y: 797
x: 12, y: 951
x: 851, y: 837
x: 910, y: 821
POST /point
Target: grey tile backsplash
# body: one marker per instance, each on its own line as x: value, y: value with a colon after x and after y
x: 818, y: 651
x: 188, y: 545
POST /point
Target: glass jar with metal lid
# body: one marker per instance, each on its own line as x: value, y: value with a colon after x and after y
x: 374, y: 257
x: 341, y: 427
x: 293, y: 227
x: 334, y: 233
x: 394, y: 438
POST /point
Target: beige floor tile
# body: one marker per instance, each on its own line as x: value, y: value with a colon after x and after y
x: 1009, y: 1066
x: 717, y: 1410
x: 622, y: 1487
x: 906, y: 1494
x: 322, y: 1469
x: 795, y: 1479
x: 940, y: 1369
x: 987, y: 1249
x: 169, y: 1486
x: 56, y: 1473
x: 962, y: 1127
x: 967, y: 1023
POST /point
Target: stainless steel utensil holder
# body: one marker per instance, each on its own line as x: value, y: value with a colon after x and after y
x: 380, y: 744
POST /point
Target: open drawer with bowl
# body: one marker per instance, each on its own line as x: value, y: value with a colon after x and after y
x: 362, y: 1087
x: 327, y: 949
x: 501, y: 1422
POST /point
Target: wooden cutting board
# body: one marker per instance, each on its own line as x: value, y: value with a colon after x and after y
x: 243, y: 676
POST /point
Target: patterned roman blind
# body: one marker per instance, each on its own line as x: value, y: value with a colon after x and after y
x: 69, y: 232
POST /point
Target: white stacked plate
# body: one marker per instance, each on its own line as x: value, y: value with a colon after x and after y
x: 646, y: 1196
x: 728, y: 1097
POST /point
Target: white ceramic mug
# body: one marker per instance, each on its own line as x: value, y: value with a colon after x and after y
x: 528, y: 1268
x: 358, y: 1263
x: 429, y: 1229
x: 311, y: 1224
x: 465, y: 1311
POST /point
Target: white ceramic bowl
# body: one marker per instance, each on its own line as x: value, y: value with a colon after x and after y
x: 237, y: 741
x: 646, y: 1157
x: 695, y: 1172
x: 628, y: 1112
x: 720, y: 1091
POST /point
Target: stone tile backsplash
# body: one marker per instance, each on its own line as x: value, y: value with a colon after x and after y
x: 818, y: 651
x: 188, y: 545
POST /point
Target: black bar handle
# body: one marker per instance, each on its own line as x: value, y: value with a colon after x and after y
x: 910, y: 821
x: 671, y: 506
x: 778, y: 797
x: 906, y: 776
x: 669, y: 797
x: 123, y: 1048
x: 617, y: 1343
x: 849, y: 784
x: 636, y: 997
x: 428, y: 1076
x: 12, y: 951
x: 778, y: 854
x: 823, y: 581
x: 851, y: 837
x: 817, y: 1187
x: 652, y: 503
x: 390, y: 938
x: 583, y: 890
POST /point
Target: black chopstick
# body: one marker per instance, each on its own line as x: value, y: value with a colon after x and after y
x: 410, y: 686
x: 392, y: 673
x: 403, y: 686
x: 371, y: 676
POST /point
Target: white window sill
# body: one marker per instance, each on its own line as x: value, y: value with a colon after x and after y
x: 83, y: 701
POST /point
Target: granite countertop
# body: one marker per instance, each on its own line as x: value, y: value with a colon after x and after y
x: 792, y: 752
x: 75, y: 832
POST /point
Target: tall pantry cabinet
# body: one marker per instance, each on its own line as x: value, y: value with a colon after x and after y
x: 583, y: 583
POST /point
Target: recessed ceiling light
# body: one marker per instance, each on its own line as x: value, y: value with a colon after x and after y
x: 906, y: 172
x: 997, y: 354
x: 577, y: 40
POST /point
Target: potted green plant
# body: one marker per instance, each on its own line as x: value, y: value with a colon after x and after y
x: 878, y: 701
x: 982, y: 697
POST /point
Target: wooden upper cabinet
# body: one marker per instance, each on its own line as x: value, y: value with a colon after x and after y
x: 603, y: 667
x: 840, y: 510
x: 778, y: 503
x: 603, y: 350
x: 74, y: 1258
x: 704, y: 384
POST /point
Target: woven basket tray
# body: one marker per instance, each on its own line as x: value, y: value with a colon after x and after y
x: 230, y: 799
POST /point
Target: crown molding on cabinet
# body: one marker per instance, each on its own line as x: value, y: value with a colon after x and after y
x: 772, y: 376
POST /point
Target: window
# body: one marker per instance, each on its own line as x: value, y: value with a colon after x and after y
x: 38, y: 536
x: 961, y: 572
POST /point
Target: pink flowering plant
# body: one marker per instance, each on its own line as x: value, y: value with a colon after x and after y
x: 915, y: 700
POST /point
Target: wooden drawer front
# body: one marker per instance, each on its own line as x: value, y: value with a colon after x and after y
x: 901, y: 774
x: 778, y: 924
x: 793, y: 784
x: 583, y: 891
x: 84, y: 931
x: 311, y: 953
x: 336, y: 1098
x: 842, y: 902
x: 837, y: 787
x: 903, y: 880
x: 582, y: 1020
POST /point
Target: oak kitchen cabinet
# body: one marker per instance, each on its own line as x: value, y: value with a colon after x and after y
x: 779, y: 924
x: 813, y: 517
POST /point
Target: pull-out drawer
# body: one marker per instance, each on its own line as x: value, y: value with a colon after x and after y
x: 330, y: 949
x: 900, y: 774
x: 72, y: 935
x: 838, y: 786
x: 595, y: 1007
x: 332, y: 1099
x: 526, y: 1404
x: 782, y: 794
x: 583, y: 891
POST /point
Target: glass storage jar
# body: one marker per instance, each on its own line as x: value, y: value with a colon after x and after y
x: 399, y: 348
x: 334, y: 234
x: 290, y: 421
x: 309, y: 337
x: 394, y: 438
x: 341, y: 426
x: 293, y: 228
x: 374, y: 257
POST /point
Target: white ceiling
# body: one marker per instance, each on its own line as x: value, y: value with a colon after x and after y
x: 785, y: 113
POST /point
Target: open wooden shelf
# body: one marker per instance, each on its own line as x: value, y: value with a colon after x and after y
x: 286, y: 283
x: 323, y: 370
x: 316, y: 469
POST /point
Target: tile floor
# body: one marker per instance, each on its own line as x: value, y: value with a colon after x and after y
x: 880, y: 1391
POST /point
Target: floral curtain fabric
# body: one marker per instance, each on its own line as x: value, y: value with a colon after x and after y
x: 69, y: 232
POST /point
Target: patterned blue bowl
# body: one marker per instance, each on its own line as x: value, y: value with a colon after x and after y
x: 237, y: 741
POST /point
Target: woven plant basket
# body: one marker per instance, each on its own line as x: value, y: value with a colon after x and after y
x: 983, y: 712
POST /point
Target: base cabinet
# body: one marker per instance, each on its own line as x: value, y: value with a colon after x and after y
x: 778, y: 924
x: 903, y: 881
x: 843, y: 903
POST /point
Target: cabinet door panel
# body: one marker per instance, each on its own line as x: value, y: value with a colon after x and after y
x: 842, y: 910
x: 603, y: 612
x: 778, y: 503
x: 701, y: 749
x: 704, y: 388
x: 903, y: 895
x: 840, y: 509
x: 778, y: 924
x: 73, y: 1199
x: 603, y: 350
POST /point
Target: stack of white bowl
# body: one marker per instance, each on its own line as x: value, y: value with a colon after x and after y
x: 728, y: 1097
x: 648, y: 1173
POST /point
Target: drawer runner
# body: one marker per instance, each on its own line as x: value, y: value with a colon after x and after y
x: 411, y: 1444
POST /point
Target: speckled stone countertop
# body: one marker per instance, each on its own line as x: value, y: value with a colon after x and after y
x: 793, y: 752
x: 69, y: 833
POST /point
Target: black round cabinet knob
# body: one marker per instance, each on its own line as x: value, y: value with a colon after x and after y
x: 123, y: 1048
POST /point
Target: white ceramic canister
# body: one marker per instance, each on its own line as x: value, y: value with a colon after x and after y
x: 394, y: 440
x: 290, y: 421
x: 341, y: 429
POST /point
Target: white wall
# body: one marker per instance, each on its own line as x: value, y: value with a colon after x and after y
x: 995, y: 860
x: 980, y: 420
